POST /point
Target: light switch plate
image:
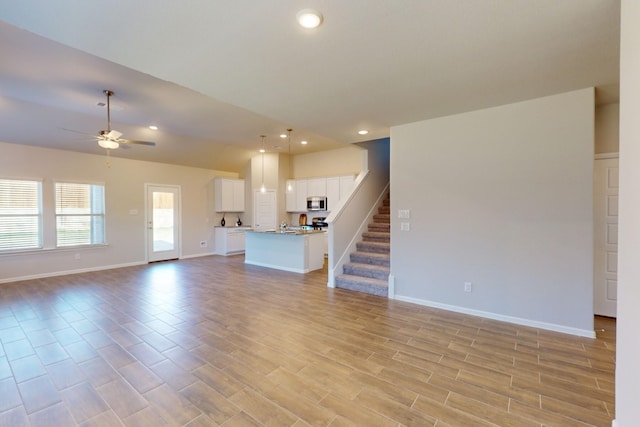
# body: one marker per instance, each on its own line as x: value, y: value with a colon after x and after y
x: 404, y: 213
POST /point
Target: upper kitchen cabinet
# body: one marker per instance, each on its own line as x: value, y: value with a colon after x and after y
x: 334, y: 188
x: 301, y: 195
x: 317, y: 187
x: 229, y: 195
x: 290, y: 195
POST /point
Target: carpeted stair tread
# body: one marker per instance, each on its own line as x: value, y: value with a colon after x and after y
x: 382, y: 218
x: 363, y: 284
x: 375, y: 258
x: 376, y: 236
x: 377, y: 226
x: 367, y: 270
x: 383, y: 247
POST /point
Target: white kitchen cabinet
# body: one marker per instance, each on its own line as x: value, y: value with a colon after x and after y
x: 229, y: 195
x: 290, y: 195
x: 333, y: 192
x: 230, y: 240
x: 334, y: 188
x: 301, y: 195
x: 317, y: 187
x: 326, y: 244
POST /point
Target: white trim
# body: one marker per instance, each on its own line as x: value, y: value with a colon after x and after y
x: 178, y: 189
x: 66, y: 272
x: 278, y: 267
x: 601, y: 156
x: 200, y: 255
x: 500, y: 317
x: 392, y: 287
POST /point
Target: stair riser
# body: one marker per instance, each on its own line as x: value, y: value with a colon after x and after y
x: 369, y: 237
x: 382, y: 219
x: 361, y: 287
x: 380, y: 228
x: 370, y: 260
x: 361, y: 272
x: 380, y: 248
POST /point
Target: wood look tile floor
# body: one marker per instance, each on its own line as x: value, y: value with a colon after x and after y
x: 210, y: 341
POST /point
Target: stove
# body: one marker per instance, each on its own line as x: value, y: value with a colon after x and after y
x: 319, y: 223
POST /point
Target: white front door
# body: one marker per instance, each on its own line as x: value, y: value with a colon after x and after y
x: 265, y: 210
x: 605, y: 233
x: 163, y: 222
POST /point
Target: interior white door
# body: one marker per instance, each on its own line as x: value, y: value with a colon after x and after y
x: 265, y: 210
x: 605, y: 233
x: 163, y: 222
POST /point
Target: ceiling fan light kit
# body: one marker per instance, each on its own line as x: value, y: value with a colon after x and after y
x: 108, y: 144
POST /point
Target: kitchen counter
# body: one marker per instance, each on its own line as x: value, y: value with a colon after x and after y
x: 289, y: 231
x: 299, y: 251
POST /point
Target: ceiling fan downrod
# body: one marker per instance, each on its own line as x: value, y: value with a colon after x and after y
x: 109, y: 94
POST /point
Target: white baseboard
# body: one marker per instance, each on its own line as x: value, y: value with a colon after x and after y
x: 392, y: 287
x: 201, y: 255
x: 503, y: 318
x: 65, y: 272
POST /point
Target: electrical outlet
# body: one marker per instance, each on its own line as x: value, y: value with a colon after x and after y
x: 405, y: 226
x: 203, y: 244
x: 467, y: 286
x: 77, y: 256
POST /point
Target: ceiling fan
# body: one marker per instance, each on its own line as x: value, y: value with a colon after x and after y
x: 110, y: 138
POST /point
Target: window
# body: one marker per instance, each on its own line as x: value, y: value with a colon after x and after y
x: 79, y: 214
x: 20, y: 214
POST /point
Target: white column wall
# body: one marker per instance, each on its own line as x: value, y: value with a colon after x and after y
x: 628, y: 341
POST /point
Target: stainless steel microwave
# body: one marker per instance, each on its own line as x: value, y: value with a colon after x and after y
x: 316, y: 203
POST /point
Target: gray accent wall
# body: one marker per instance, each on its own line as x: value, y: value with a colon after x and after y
x: 501, y: 198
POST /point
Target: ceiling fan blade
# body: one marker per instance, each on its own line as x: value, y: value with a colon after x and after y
x: 132, y: 141
x: 112, y: 134
x: 76, y: 131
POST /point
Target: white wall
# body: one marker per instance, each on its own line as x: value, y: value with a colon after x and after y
x: 502, y: 198
x: 342, y: 161
x: 124, y: 186
x: 627, y: 343
x: 606, y: 128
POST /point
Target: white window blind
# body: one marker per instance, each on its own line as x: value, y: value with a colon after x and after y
x: 20, y: 214
x: 80, y: 218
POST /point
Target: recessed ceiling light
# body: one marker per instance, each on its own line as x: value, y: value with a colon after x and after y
x: 262, y: 150
x: 303, y: 142
x: 283, y: 135
x: 363, y: 132
x: 153, y: 127
x: 309, y: 18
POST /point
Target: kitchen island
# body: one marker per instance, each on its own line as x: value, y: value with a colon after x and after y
x: 299, y: 251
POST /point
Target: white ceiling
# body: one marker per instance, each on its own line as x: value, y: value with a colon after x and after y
x: 214, y: 75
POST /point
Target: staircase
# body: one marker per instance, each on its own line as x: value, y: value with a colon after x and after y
x: 368, y: 270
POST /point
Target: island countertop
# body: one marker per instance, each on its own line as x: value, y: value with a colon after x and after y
x: 293, y: 232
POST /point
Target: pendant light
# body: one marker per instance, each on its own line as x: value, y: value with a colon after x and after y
x: 263, y: 189
x: 289, y: 188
